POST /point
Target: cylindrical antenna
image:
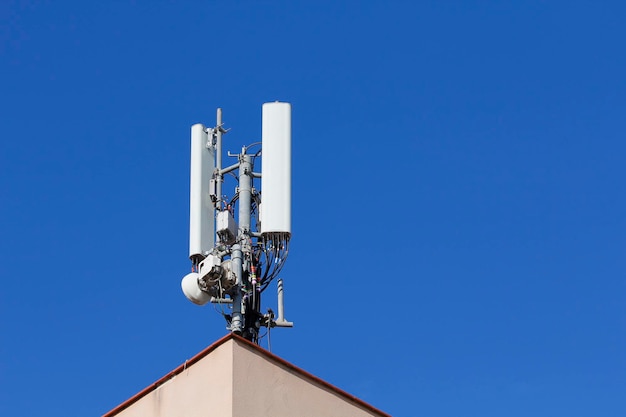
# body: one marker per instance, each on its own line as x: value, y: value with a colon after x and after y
x: 280, y: 321
x: 201, y: 211
x: 276, y: 169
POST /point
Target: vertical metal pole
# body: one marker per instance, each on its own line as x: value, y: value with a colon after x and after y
x: 245, y: 194
x: 218, y: 159
x: 280, y: 321
x: 245, y: 207
x: 281, y: 308
x: 236, y: 323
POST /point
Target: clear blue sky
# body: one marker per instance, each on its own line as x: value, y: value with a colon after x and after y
x: 459, y: 197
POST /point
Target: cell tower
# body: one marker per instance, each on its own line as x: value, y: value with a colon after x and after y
x: 238, y: 245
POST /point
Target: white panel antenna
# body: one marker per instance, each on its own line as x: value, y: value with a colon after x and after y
x: 276, y: 179
x: 201, y: 210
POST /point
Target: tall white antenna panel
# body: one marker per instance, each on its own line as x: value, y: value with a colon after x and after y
x: 201, y: 211
x: 276, y: 169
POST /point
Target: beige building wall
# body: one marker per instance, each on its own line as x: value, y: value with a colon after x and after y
x: 200, y: 389
x: 235, y: 378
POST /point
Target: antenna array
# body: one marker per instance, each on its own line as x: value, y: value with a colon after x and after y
x: 238, y: 246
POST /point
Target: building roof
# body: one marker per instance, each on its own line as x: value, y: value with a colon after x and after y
x: 268, y: 356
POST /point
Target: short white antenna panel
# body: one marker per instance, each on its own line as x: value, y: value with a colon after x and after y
x: 201, y: 211
x: 276, y: 168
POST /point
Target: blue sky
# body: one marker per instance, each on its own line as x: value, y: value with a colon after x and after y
x: 458, y: 197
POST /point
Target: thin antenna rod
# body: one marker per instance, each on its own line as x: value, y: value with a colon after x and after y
x: 280, y: 321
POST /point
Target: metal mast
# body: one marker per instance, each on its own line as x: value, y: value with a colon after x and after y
x: 241, y: 257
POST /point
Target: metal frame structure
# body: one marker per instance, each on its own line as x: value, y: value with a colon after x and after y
x: 245, y: 257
